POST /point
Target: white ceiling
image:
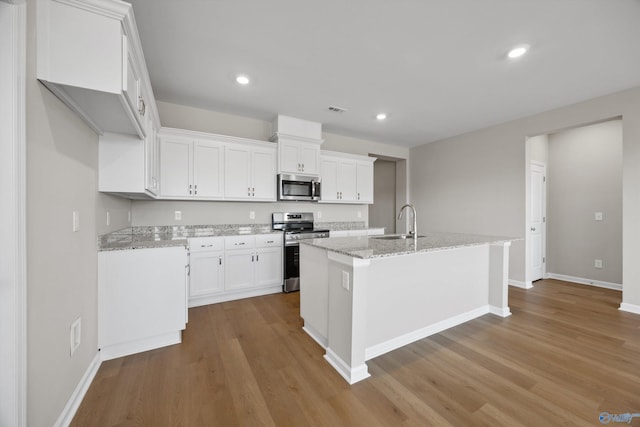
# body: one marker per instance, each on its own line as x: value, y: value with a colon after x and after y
x: 436, y: 67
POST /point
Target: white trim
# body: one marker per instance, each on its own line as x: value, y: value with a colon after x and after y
x: 317, y: 336
x: 397, y: 342
x: 519, y: 284
x: 13, y: 308
x: 125, y: 349
x: 351, y: 375
x: 631, y: 308
x: 500, y: 311
x: 231, y: 296
x: 78, y: 394
x: 583, y: 281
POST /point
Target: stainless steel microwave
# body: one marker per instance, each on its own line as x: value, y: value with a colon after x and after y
x: 298, y: 187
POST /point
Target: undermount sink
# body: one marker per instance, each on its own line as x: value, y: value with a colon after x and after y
x: 395, y: 237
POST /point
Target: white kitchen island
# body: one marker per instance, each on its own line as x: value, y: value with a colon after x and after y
x: 361, y: 297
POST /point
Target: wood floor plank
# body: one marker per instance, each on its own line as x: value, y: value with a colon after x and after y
x: 564, y: 356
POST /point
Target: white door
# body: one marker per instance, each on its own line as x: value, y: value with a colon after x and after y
x: 208, y: 168
x: 238, y: 271
x: 347, y: 177
x: 237, y: 172
x: 365, y: 182
x: 269, y: 266
x: 309, y: 155
x: 537, y: 217
x: 206, y: 273
x: 329, y: 183
x: 263, y: 185
x: 175, y: 167
x: 289, y: 160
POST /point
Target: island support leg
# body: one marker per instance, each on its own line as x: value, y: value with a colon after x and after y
x: 499, y: 279
x: 347, y: 319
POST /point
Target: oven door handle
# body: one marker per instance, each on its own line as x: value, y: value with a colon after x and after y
x: 291, y: 244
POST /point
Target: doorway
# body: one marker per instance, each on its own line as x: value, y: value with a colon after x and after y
x: 390, y: 193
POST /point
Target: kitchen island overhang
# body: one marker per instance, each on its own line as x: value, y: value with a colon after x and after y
x: 362, y: 297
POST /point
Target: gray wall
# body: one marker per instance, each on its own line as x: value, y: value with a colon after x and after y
x: 584, y: 176
x: 383, y: 212
x: 195, y: 213
x: 62, y: 159
x: 476, y: 182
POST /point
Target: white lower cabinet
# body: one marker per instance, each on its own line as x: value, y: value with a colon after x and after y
x: 142, y: 299
x: 234, y: 267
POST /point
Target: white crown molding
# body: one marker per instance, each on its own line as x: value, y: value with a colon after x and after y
x: 111, y: 8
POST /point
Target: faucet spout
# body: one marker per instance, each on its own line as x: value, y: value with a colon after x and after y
x: 413, y: 231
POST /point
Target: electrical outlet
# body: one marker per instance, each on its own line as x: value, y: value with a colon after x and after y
x: 177, y: 215
x: 319, y: 215
x: 597, y: 263
x: 345, y: 280
x: 75, y: 332
x: 598, y: 216
x: 359, y: 214
x: 252, y: 215
x: 76, y: 221
x: 129, y: 216
x: 108, y: 218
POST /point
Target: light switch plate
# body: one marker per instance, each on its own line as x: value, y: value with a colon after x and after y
x: 345, y: 280
x: 76, y: 221
x: 252, y: 215
x: 597, y: 263
x: 598, y: 216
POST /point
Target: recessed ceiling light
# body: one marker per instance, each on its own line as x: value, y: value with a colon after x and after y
x: 243, y: 80
x: 381, y: 116
x: 518, y: 51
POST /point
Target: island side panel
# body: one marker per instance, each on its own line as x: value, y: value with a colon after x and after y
x: 348, y: 280
x: 499, y: 278
x: 413, y: 296
x: 314, y: 292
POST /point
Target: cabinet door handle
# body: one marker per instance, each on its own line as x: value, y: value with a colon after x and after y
x: 142, y: 107
x: 195, y: 188
x: 269, y: 241
x: 252, y: 258
x: 248, y: 191
x: 253, y: 191
x: 303, y: 167
x: 240, y: 244
x: 219, y: 260
x: 190, y: 186
x: 257, y: 257
x: 358, y: 196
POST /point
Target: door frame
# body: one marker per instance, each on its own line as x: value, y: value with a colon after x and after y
x: 543, y: 232
x: 13, y: 310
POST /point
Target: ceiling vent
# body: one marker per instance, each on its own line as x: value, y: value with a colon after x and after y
x: 335, y: 109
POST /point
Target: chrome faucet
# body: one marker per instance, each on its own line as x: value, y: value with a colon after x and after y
x: 414, y: 231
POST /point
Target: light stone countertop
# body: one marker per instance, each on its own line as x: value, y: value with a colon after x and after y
x: 170, y: 236
x: 371, y: 247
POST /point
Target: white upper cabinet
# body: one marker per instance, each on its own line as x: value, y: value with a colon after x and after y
x: 346, y: 178
x: 250, y: 172
x: 298, y: 145
x: 298, y: 157
x: 191, y: 167
x: 89, y: 55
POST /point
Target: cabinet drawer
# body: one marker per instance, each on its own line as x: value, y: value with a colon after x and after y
x: 268, y: 240
x: 206, y: 244
x: 239, y: 242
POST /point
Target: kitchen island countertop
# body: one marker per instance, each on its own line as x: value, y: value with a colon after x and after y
x: 367, y: 247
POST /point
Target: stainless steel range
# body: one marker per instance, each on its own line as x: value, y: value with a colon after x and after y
x: 296, y: 226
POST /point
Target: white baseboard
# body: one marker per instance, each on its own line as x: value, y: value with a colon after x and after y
x: 119, y: 350
x: 351, y: 375
x: 500, y: 311
x: 73, y: 404
x: 631, y: 308
x: 394, y: 343
x: 520, y: 284
x: 230, y: 296
x: 583, y: 281
x: 317, y: 337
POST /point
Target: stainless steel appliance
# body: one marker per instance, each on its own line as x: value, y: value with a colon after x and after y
x: 298, y: 187
x: 296, y: 226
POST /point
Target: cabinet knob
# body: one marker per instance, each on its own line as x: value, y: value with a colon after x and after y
x: 303, y: 167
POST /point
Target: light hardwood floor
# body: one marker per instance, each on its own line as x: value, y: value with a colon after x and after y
x: 566, y: 355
